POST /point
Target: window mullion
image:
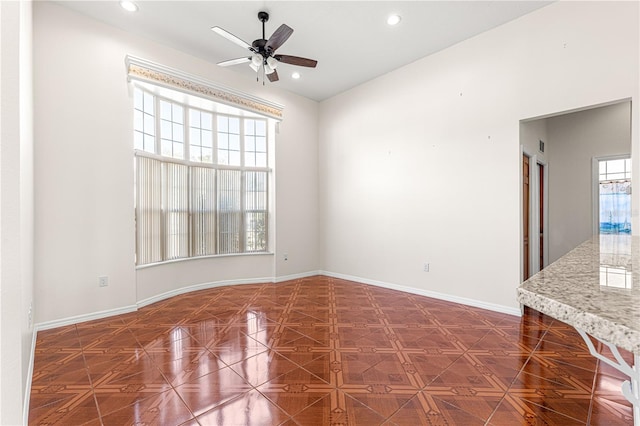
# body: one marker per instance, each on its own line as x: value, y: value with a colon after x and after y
x: 214, y: 138
x: 266, y: 210
x: 243, y: 188
x: 186, y: 150
x: 216, y: 235
x: 156, y: 106
x: 163, y: 211
x: 243, y: 240
x: 214, y: 158
x: 242, y: 142
x: 190, y: 239
x: 185, y: 132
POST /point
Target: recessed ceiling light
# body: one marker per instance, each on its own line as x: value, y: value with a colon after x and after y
x: 129, y: 6
x: 295, y: 75
x: 394, y: 19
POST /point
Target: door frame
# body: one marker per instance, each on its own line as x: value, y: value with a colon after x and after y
x: 534, y: 212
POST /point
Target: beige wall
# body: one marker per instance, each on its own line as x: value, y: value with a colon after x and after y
x: 84, y: 173
x: 423, y: 164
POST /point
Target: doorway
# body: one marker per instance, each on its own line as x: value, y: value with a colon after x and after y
x: 526, y: 216
x: 541, y: 207
x: 534, y: 214
x: 563, y: 178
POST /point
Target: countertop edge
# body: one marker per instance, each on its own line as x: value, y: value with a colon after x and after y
x: 603, y: 329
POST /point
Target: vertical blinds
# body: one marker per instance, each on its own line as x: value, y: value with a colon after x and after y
x: 229, y: 210
x: 203, y: 207
x: 255, y: 210
x: 148, y: 210
x: 176, y: 211
x: 185, y: 210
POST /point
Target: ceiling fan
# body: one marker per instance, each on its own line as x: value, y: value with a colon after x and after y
x: 263, y: 50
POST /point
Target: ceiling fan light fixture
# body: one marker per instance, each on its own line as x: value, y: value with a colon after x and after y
x: 268, y: 70
x: 295, y: 75
x: 394, y: 19
x: 256, y: 60
x: 129, y: 6
x: 272, y: 62
x: 254, y: 66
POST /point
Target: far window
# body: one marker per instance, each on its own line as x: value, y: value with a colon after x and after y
x: 615, y: 196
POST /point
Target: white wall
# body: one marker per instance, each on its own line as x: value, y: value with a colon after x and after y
x: 575, y: 140
x: 422, y: 164
x: 16, y: 207
x: 84, y: 172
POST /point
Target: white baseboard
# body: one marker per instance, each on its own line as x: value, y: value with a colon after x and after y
x: 214, y: 284
x: 202, y: 286
x: 433, y: 294
x: 84, y: 318
x: 297, y: 276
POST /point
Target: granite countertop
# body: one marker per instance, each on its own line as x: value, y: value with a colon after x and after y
x: 595, y: 287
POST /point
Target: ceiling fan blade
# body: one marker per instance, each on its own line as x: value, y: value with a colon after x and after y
x: 278, y: 38
x: 273, y: 76
x: 234, y: 62
x: 296, y: 60
x: 226, y: 34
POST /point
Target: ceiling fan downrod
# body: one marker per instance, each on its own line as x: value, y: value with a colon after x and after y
x: 263, y: 17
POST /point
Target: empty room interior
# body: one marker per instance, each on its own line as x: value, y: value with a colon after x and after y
x: 350, y: 220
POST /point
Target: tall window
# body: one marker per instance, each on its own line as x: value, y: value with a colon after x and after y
x: 202, y: 181
x: 615, y: 196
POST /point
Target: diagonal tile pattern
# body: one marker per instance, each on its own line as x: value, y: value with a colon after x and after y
x: 320, y: 351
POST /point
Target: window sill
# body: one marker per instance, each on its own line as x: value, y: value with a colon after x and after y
x: 213, y: 256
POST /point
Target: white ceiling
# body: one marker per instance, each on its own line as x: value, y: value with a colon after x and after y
x: 350, y: 39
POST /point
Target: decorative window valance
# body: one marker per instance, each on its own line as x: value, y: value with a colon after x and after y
x: 150, y: 72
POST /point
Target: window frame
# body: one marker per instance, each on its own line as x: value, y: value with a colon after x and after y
x: 213, y: 165
x: 595, y: 186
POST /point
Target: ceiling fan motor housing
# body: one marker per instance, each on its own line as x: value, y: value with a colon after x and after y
x: 259, y: 44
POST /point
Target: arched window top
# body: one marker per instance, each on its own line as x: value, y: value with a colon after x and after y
x: 150, y: 72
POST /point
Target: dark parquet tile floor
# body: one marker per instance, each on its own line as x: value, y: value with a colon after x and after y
x: 320, y: 351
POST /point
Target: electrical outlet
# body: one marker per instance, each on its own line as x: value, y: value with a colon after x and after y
x: 286, y: 256
x: 103, y: 281
x: 426, y: 267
